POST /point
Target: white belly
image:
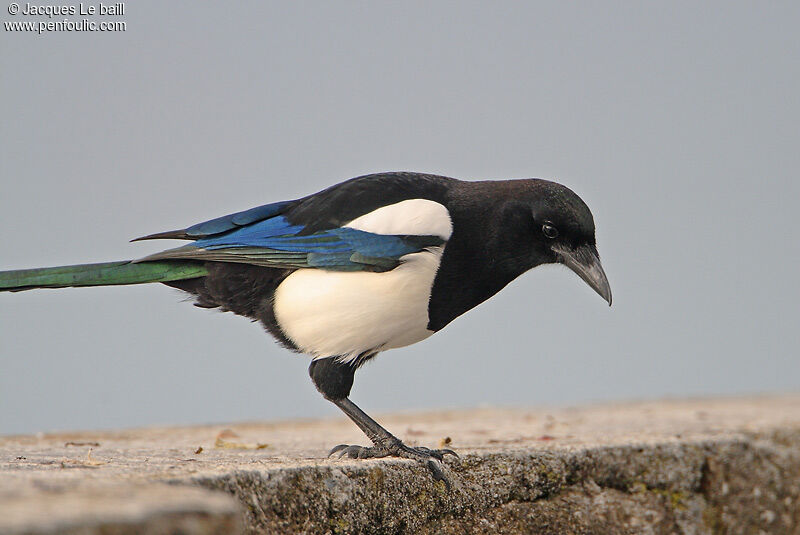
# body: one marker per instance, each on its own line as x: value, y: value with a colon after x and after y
x: 329, y: 313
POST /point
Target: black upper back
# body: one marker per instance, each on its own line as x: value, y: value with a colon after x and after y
x: 339, y: 204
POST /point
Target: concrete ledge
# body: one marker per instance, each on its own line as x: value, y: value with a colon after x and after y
x: 118, y: 509
x: 697, y: 466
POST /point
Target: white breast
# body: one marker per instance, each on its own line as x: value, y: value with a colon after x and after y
x: 334, y: 313
x: 344, y: 314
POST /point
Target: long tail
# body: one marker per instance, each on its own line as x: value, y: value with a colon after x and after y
x: 105, y: 274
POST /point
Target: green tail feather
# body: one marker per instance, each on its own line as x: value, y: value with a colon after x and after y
x: 105, y: 274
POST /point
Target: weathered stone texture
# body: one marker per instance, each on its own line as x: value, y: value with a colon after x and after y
x: 701, y: 466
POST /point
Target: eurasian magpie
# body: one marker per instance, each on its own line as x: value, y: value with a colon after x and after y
x: 373, y: 263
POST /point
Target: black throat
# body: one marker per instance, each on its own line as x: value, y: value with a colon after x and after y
x: 484, y: 253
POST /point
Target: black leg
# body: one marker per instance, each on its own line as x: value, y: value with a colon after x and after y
x: 334, y: 380
x: 386, y: 444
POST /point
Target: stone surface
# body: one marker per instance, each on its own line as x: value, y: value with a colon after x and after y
x: 693, y: 466
x: 117, y: 509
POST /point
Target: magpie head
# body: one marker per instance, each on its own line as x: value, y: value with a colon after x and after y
x: 560, y: 228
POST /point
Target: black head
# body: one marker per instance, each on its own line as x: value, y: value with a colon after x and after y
x: 559, y: 228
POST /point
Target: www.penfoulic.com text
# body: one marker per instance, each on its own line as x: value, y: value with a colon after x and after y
x: 107, y: 17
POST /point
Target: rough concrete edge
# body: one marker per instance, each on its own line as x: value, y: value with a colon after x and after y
x: 706, y: 486
x: 120, y: 508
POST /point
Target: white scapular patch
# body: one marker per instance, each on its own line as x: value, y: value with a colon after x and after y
x: 334, y: 313
x: 414, y: 217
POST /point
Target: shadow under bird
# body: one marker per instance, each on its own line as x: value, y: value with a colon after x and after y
x: 373, y: 263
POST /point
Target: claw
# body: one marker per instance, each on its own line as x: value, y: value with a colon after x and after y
x: 349, y: 452
x: 357, y: 452
x: 438, y: 473
x: 437, y: 454
x: 337, y: 449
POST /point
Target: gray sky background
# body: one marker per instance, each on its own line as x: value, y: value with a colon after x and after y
x: 676, y: 122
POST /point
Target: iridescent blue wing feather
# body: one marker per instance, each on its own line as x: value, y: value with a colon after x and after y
x: 237, y: 220
x: 275, y: 242
x: 222, y: 224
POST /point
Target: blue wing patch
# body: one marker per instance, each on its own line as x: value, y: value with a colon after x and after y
x: 247, y: 237
x: 222, y: 224
x: 237, y: 220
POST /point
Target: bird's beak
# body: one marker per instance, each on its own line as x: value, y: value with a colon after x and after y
x: 585, y: 261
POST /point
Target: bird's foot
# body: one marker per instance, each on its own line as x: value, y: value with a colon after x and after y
x: 400, y: 450
x: 395, y: 448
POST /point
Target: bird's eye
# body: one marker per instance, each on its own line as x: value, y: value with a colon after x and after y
x: 550, y: 231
